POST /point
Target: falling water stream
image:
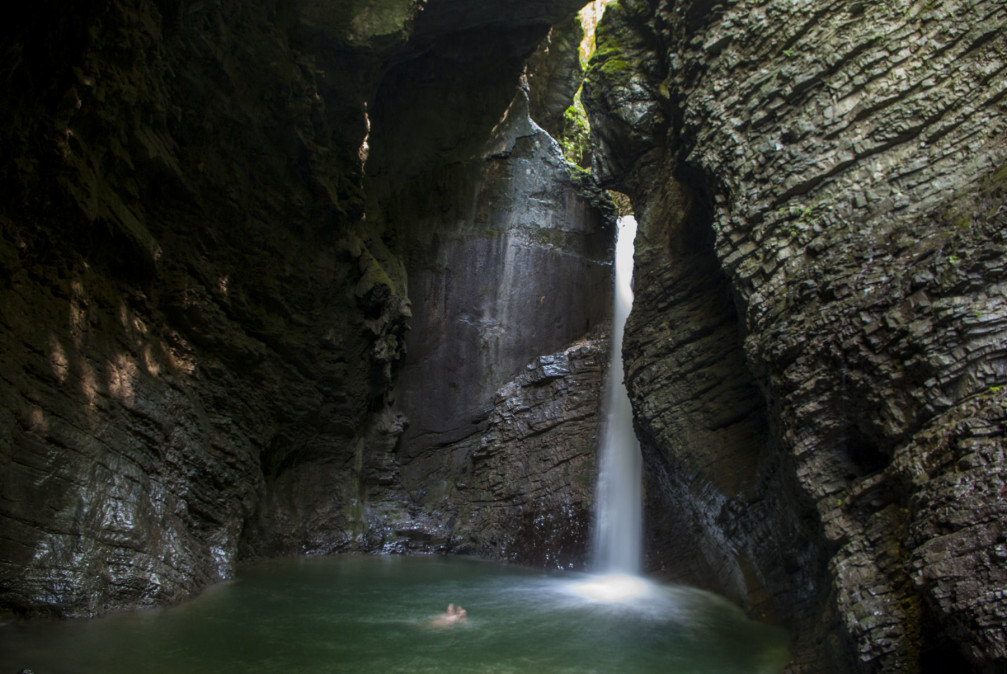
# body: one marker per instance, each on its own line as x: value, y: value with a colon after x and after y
x: 618, y: 528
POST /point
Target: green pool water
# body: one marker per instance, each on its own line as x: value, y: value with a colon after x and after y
x: 375, y: 614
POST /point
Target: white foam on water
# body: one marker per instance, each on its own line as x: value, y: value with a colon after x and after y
x: 612, y: 588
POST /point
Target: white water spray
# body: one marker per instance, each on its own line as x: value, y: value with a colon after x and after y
x: 618, y: 529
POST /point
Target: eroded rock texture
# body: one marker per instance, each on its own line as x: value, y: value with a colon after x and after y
x: 821, y: 188
x: 190, y: 308
x: 555, y: 75
x: 527, y: 482
x: 516, y: 262
x: 506, y: 248
x: 199, y: 325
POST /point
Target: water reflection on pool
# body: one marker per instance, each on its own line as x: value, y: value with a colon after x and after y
x: 376, y: 614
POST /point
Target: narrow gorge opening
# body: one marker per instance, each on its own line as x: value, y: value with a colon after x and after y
x: 318, y: 297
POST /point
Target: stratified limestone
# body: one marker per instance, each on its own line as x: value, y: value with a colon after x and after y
x: 837, y: 170
x: 525, y: 491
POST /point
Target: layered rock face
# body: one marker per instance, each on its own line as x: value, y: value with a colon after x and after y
x: 527, y: 482
x: 816, y: 354
x: 204, y: 303
x: 190, y: 308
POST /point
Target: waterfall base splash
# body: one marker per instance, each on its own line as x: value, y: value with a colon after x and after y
x: 612, y: 588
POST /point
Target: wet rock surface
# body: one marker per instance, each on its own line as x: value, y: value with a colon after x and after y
x: 516, y: 261
x: 525, y: 484
x: 554, y: 75
x: 845, y: 162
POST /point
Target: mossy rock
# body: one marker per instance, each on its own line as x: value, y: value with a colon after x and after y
x: 615, y: 45
x: 576, y: 136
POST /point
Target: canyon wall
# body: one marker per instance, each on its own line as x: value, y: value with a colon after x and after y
x: 507, y: 252
x: 817, y: 352
x: 204, y: 297
x: 190, y: 308
x: 309, y: 277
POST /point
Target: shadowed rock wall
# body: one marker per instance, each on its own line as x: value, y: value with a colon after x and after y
x: 504, y: 254
x: 189, y: 305
x: 516, y: 260
x: 555, y: 75
x: 199, y: 329
x: 506, y: 247
x: 830, y: 176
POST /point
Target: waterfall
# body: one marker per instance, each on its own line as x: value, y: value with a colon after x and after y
x: 618, y: 535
